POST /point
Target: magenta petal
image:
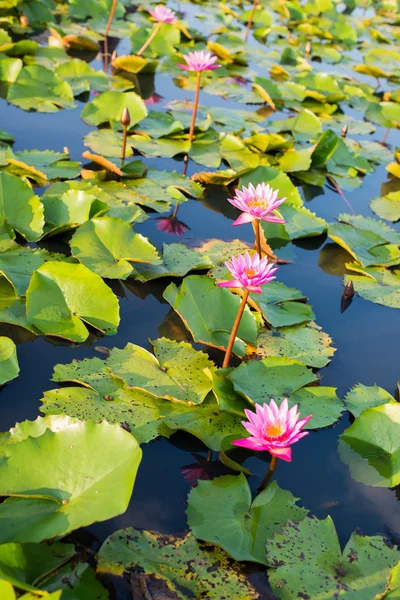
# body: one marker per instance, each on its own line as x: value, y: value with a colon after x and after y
x: 271, y: 219
x: 186, y: 67
x: 283, y: 453
x: 248, y: 443
x: 255, y: 289
x: 244, y: 218
x: 229, y: 284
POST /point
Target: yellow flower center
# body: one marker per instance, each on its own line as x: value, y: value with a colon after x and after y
x: 250, y: 273
x: 258, y: 202
x: 274, y: 430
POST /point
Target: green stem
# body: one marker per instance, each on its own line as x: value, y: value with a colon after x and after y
x: 123, y: 153
x: 269, y: 474
x: 235, y: 328
x: 151, y: 38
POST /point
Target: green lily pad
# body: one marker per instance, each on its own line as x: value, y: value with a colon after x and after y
x: 222, y: 512
x: 177, y: 259
x: 381, y: 286
x: 38, y: 88
x: 386, y: 114
x: 371, y: 446
x: 300, y: 223
x: 108, y: 107
x: 66, y: 210
x: 176, y: 372
x: 387, y: 207
x: 367, y: 247
x: 308, y: 561
x: 209, y: 313
x: 75, y: 482
x: 62, y: 297
x: 361, y: 397
x: 9, y: 367
x: 10, y: 69
x: 282, y: 306
x: 82, y: 77
x: 77, y: 582
x: 188, y: 568
x: 107, y: 246
x: 21, y: 210
x: 306, y: 343
x: 53, y: 165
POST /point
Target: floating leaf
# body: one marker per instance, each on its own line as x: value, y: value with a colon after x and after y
x: 9, y: 367
x: 62, y: 297
x: 38, y: 88
x: 187, y: 567
x: 222, y: 512
x: 308, y: 562
x: 84, y: 472
x: 304, y: 343
x: 387, y: 207
x: 367, y: 247
x: 108, y: 107
x: 82, y: 77
x: 381, y: 286
x: 209, y: 312
x: 361, y: 397
x: 107, y: 246
x: 371, y: 446
x: 178, y: 260
x: 282, y: 306
x: 176, y: 372
x: 20, y: 209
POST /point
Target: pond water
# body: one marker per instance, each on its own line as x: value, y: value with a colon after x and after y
x: 365, y: 335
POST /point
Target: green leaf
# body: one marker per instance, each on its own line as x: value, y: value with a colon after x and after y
x: 209, y: 312
x: 188, y: 568
x: 20, y: 209
x: 9, y: 367
x: 176, y: 372
x: 23, y: 564
x: 107, y: 246
x: 367, y: 247
x: 82, y: 77
x: 282, y: 306
x: 38, y: 88
x: 178, y: 260
x: 308, y: 562
x: 385, y: 114
x: 371, y: 446
x: 306, y: 343
x: 54, y: 165
x: 108, y: 107
x: 361, y: 397
x: 164, y: 147
x: 381, y: 286
x: 306, y: 126
x: 387, y: 207
x: 10, y: 68
x: 158, y: 124
x: 222, y: 512
x: 300, y: 223
x: 62, y: 297
x: 77, y: 582
x: 74, y: 482
x: 295, y: 160
x: 325, y: 148
x: 66, y: 210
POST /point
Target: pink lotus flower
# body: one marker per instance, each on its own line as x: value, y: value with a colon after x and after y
x: 250, y: 272
x: 171, y: 225
x: 258, y: 202
x: 273, y: 429
x: 199, y: 61
x: 162, y: 14
x: 154, y: 99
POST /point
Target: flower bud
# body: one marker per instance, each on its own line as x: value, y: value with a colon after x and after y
x: 125, y: 118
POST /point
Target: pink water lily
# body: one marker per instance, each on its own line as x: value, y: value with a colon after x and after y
x: 249, y: 272
x: 163, y: 14
x: 257, y: 203
x: 199, y: 61
x: 171, y: 225
x: 273, y: 429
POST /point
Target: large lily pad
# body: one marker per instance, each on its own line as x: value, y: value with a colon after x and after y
x: 21, y: 209
x: 378, y: 285
x: 189, y: 569
x: 62, y: 297
x: 209, y: 312
x: 108, y: 107
x: 38, y: 88
x: 387, y: 207
x: 361, y: 397
x: 178, y: 260
x: 309, y: 563
x: 107, y: 246
x: 221, y: 511
x: 84, y: 473
x: 282, y: 306
x: 176, y: 372
x: 371, y: 446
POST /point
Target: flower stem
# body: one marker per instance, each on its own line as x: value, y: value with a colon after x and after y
x: 151, y: 38
x: 107, y: 31
x: 258, y: 238
x: 195, y: 106
x: 269, y: 474
x: 235, y: 328
x: 385, y: 137
x: 123, y: 153
x: 250, y: 21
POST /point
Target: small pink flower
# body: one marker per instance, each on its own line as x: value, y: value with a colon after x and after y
x: 249, y: 272
x: 154, y: 99
x: 200, y: 60
x: 171, y: 225
x: 258, y: 202
x: 162, y: 14
x: 273, y: 429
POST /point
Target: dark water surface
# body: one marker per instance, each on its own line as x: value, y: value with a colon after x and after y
x: 366, y: 337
